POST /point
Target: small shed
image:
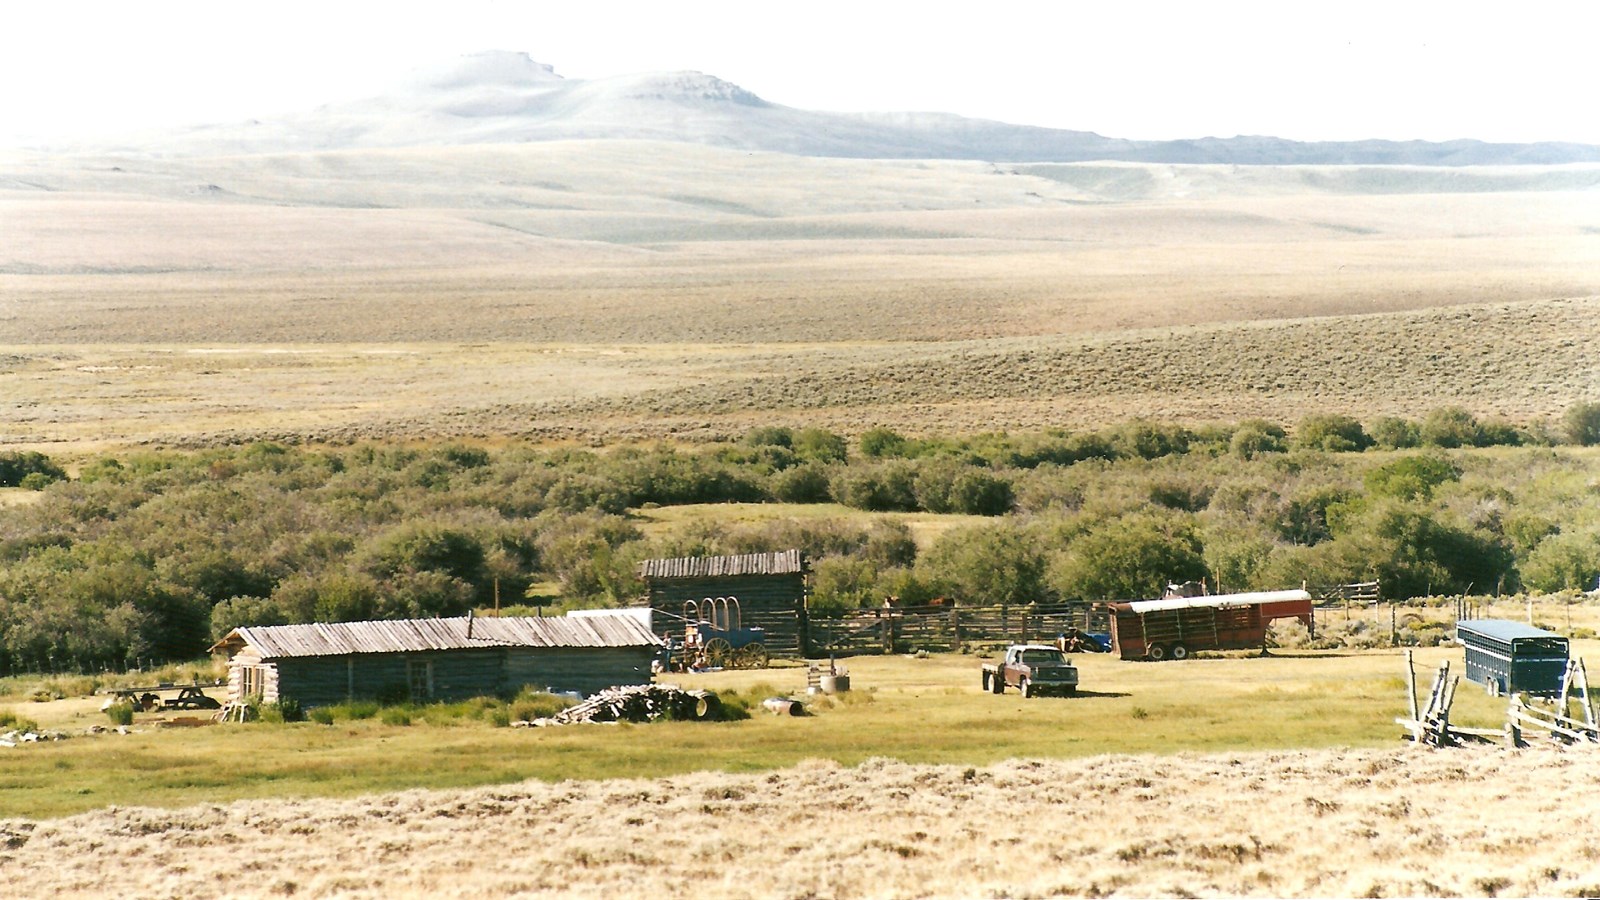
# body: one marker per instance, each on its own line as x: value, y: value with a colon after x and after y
x: 1509, y: 657
x: 771, y: 589
x: 435, y: 659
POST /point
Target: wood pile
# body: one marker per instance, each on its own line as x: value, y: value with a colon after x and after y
x: 639, y: 703
x: 14, y: 737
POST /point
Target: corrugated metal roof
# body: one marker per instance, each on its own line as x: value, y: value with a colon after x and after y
x: 1504, y: 629
x: 786, y: 562
x: 404, y: 635
x: 1221, y: 601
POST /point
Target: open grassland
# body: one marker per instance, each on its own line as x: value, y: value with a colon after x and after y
x: 621, y: 290
x: 1527, y: 362
x: 920, y: 785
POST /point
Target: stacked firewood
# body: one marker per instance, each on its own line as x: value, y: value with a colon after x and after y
x: 640, y: 703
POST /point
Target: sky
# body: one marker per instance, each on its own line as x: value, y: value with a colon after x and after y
x: 1145, y: 70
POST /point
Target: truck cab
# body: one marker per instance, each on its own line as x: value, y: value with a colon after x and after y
x: 1034, y: 670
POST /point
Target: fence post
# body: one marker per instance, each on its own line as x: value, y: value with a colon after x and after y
x: 955, y: 627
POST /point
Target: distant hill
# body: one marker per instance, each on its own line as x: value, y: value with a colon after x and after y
x: 503, y: 97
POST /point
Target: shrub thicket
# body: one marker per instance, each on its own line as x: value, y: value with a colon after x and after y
x: 155, y: 554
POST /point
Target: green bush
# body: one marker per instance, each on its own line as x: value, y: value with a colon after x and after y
x: 321, y: 715
x: 987, y: 564
x: 1450, y: 427
x: 1581, y: 424
x: 1131, y: 557
x: 1150, y: 440
x: 10, y: 721
x: 807, y: 483
x: 358, y: 709
x: 531, y: 704
x: 120, y: 713
x: 1330, y: 432
x: 881, y: 442
x: 285, y: 709
x: 1412, y: 477
x: 1563, y: 562
x: 17, y: 465
x: 819, y: 446
x: 395, y: 715
x: 1256, y: 437
x: 1390, y: 433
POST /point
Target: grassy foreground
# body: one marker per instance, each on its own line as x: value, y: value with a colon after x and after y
x: 916, y: 710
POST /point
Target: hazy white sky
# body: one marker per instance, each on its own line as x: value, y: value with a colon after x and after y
x: 1303, y: 70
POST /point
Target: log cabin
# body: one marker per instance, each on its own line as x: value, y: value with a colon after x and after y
x: 424, y: 660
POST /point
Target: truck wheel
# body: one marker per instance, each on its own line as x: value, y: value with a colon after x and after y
x: 1179, y: 651
x: 997, y: 681
x: 1025, y: 688
x: 1156, y: 652
x: 1071, y: 689
x: 986, y: 685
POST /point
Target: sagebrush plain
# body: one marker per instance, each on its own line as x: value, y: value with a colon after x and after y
x: 608, y: 292
x: 615, y: 290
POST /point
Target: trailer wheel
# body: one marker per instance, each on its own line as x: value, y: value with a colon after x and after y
x: 1156, y: 652
x: 1179, y: 651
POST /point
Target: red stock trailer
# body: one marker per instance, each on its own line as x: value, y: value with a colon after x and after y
x: 1176, y: 627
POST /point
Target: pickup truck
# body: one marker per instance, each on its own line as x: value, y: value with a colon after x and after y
x: 1033, y: 669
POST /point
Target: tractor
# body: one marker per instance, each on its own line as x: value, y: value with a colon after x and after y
x: 713, y: 636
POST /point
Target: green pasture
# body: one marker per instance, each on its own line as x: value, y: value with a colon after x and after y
x: 929, y: 710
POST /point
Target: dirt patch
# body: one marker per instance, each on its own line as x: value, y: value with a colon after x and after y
x: 1398, y: 821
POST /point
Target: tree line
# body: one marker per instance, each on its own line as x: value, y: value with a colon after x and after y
x: 154, y: 554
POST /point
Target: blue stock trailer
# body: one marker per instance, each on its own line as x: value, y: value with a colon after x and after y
x: 1509, y: 657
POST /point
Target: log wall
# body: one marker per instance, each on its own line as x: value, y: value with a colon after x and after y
x: 444, y: 674
x: 776, y: 603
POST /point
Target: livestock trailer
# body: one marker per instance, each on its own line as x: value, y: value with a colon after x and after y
x: 1174, y: 627
x: 1509, y: 657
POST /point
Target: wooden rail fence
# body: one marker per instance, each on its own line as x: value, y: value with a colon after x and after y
x: 945, y: 628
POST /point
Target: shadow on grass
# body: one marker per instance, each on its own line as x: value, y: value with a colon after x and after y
x: 1096, y: 694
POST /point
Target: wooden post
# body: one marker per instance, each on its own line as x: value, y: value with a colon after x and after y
x: 1588, y: 703
x: 1411, y: 687
x: 955, y: 626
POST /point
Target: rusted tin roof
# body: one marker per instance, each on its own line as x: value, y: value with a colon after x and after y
x: 786, y: 562
x: 408, y: 635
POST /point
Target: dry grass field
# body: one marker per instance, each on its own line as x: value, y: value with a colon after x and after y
x: 1337, y: 823
x: 619, y: 290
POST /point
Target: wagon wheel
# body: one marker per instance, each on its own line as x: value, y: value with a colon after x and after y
x: 718, y: 652
x: 752, y: 656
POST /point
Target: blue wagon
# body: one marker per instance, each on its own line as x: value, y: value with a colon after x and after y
x: 1509, y: 657
x: 714, y: 636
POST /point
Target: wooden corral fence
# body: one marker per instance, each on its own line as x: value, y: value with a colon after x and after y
x: 1361, y: 593
x: 1429, y: 720
x: 1554, y: 721
x: 943, y: 628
